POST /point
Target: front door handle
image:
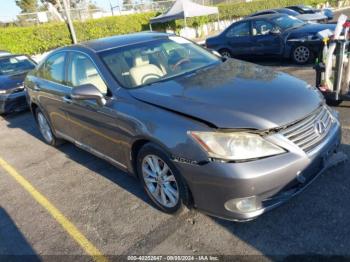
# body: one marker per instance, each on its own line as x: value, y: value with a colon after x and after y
x: 67, y: 100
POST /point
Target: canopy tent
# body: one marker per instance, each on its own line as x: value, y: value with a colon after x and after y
x: 182, y: 9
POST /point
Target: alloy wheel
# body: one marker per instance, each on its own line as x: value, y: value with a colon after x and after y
x: 160, y: 181
x: 225, y: 54
x: 301, y: 54
x: 44, y: 128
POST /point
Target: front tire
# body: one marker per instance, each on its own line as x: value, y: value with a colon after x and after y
x: 302, y: 55
x: 332, y: 102
x: 225, y: 53
x: 45, y: 129
x: 161, y: 180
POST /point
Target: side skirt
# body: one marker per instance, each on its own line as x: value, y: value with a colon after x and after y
x: 92, y: 151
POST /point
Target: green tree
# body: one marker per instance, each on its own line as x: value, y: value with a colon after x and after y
x: 27, y: 6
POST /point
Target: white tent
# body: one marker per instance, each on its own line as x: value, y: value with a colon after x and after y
x: 183, y: 9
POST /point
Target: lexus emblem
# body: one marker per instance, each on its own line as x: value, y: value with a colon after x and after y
x: 320, y: 127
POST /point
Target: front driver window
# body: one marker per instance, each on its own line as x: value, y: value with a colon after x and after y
x: 82, y: 71
x: 241, y: 29
x: 262, y: 27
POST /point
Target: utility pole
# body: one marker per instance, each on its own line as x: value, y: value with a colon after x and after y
x: 110, y: 4
x: 69, y: 22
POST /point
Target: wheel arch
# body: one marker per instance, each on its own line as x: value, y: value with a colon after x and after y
x: 135, y: 149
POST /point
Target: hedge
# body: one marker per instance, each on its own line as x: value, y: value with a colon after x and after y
x: 41, y: 38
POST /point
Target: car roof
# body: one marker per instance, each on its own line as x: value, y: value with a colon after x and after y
x: 263, y: 11
x: 268, y: 16
x: 297, y: 6
x: 106, y: 43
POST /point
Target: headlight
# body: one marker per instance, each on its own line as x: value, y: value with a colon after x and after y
x: 12, y: 90
x: 235, y: 145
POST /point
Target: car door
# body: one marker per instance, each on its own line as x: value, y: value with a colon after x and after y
x: 239, y: 39
x: 267, y: 38
x: 93, y: 126
x: 52, y: 90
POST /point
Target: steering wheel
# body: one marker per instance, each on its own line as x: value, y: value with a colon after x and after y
x: 180, y: 62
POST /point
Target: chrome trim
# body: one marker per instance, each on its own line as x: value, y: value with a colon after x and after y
x: 304, y: 134
x: 91, y: 150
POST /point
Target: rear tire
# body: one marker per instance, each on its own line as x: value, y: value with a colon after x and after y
x: 161, y: 180
x: 46, y: 130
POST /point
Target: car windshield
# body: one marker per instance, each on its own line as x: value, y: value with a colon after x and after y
x: 286, y: 22
x: 155, y: 61
x: 12, y: 65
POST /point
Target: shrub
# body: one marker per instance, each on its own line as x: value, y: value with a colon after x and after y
x: 41, y: 38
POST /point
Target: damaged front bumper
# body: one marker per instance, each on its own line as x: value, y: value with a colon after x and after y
x: 13, y: 102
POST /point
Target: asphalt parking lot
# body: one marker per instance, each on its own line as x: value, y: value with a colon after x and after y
x: 106, y: 211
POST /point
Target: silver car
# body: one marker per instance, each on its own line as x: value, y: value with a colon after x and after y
x: 227, y: 137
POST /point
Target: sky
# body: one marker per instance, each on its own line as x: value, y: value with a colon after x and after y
x: 9, y: 9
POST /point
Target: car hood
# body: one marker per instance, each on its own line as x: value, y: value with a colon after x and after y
x: 234, y: 94
x: 11, y: 81
x: 311, y: 29
x: 312, y: 17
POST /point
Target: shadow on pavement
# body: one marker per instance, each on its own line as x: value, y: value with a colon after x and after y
x: 277, y: 62
x: 26, y: 122
x: 13, y: 245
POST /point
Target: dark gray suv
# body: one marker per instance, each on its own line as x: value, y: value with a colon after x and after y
x: 230, y: 138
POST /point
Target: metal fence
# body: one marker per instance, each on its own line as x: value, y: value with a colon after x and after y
x: 165, y: 5
x: 83, y: 14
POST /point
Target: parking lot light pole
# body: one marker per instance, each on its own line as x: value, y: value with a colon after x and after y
x: 69, y: 22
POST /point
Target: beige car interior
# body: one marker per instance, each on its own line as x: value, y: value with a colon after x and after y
x: 84, y: 72
x: 261, y: 29
x: 144, y: 72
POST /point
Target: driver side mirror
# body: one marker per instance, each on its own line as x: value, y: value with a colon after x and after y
x: 88, y: 92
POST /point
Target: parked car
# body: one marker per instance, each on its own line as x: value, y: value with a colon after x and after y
x: 276, y: 35
x: 318, y: 17
x: 4, y: 53
x: 228, y: 137
x: 13, y: 70
x: 303, y: 9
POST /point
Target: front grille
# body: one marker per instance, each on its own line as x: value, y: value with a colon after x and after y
x: 304, y: 133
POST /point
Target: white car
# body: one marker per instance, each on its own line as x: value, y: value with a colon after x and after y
x: 4, y: 53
